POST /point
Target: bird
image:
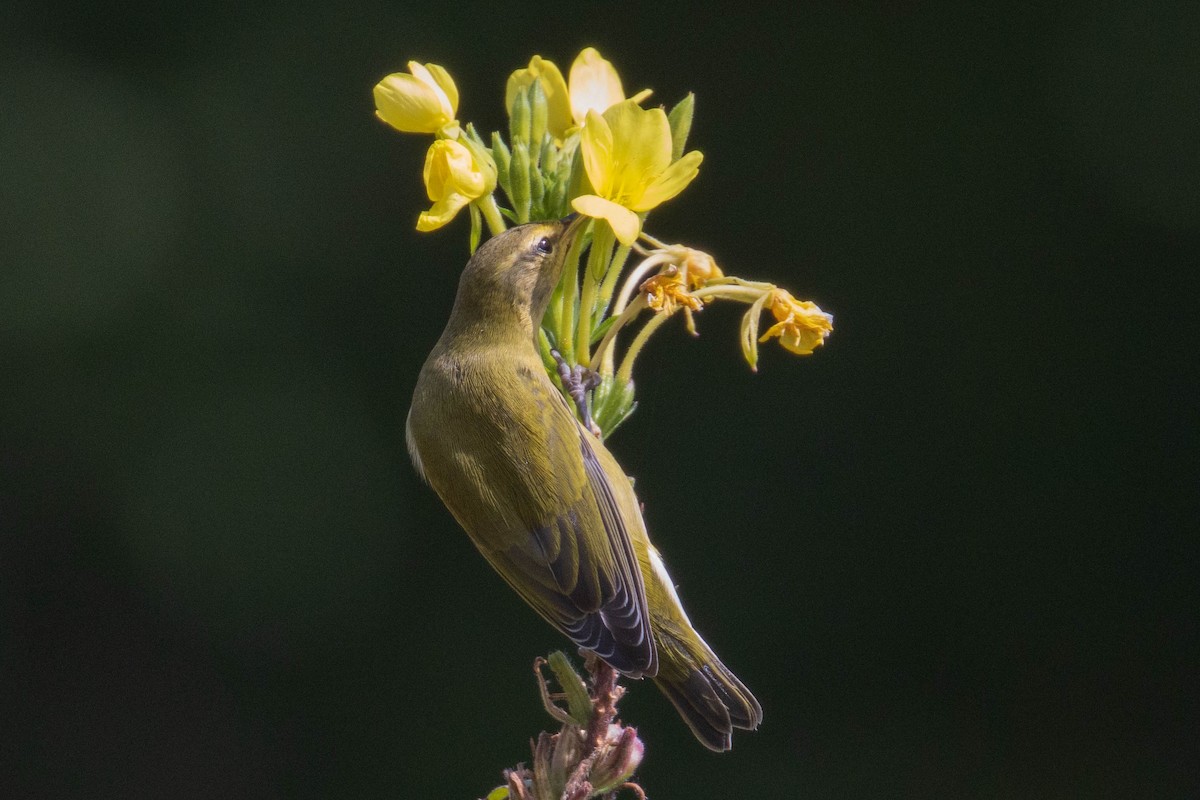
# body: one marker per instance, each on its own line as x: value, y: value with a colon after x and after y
x: 542, y: 498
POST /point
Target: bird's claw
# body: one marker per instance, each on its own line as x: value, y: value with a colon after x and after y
x: 578, y: 381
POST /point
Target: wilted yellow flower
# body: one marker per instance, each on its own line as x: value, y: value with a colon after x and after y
x: 666, y: 292
x: 454, y: 176
x: 424, y: 102
x: 595, y: 85
x: 558, y: 102
x: 801, y: 326
x: 627, y: 157
x: 700, y: 268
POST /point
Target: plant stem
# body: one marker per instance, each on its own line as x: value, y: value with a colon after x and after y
x: 606, y: 346
x: 598, y: 261
x: 610, y: 278
x: 568, y: 303
x: 625, y: 373
x: 491, y: 213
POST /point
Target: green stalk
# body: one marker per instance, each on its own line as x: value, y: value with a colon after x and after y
x: 610, y: 278
x: 625, y: 373
x: 569, y: 285
x: 598, y: 259
x: 491, y: 213
x: 607, y: 346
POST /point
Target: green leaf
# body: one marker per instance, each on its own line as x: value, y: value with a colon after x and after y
x: 601, y: 329
x: 499, y: 793
x: 579, y: 704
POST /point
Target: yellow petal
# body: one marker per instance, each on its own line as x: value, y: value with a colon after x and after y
x: 670, y: 183
x: 444, y: 82
x: 442, y: 212
x: 596, y: 145
x: 643, y: 145
x: 625, y: 224
x: 409, y: 104
x: 595, y: 85
x: 450, y: 169
x: 425, y: 74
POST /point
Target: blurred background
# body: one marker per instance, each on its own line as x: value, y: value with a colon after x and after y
x: 953, y: 552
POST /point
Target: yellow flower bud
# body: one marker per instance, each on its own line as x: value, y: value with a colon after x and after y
x: 424, y: 102
x: 558, y: 103
x: 454, y: 176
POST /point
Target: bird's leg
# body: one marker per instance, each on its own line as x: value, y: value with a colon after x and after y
x: 578, y: 381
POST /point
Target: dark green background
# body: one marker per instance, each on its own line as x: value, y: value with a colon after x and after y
x: 952, y: 552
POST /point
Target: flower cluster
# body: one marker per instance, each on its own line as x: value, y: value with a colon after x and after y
x: 580, y: 144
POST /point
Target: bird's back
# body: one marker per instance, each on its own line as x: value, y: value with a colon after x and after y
x: 498, y: 441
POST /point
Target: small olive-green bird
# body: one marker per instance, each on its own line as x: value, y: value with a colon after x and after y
x: 542, y: 498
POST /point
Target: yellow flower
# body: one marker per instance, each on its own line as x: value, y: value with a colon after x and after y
x: 627, y: 157
x: 454, y: 176
x: 424, y: 102
x: 801, y: 326
x: 558, y: 103
x: 595, y: 85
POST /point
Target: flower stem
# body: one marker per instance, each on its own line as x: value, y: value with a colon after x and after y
x: 598, y: 261
x: 491, y: 213
x: 606, y: 346
x: 625, y: 373
x: 610, y: 278
x: 568, y: 308
x: 635, y: 278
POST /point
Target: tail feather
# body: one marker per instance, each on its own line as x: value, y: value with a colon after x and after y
x: 709, y: 698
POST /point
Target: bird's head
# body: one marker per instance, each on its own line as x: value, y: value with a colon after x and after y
x: 515, y: 272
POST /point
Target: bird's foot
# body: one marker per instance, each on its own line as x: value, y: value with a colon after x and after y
x: 578, y: 381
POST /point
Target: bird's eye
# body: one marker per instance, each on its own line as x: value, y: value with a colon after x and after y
x: 545, y: 246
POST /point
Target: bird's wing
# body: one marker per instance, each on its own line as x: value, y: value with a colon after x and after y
x: 590, y: 587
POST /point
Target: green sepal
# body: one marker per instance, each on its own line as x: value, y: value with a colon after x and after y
x: 680, y: 120
x: 579, y: 704
x: 499, y: 793
x: 503, y: 158
x: 539, y: 112
x: 548, y: 159
x: 509, y: 215
x: 578, y: 183
x: 520, y: 118
x: 518, y: 176
x: 473, y: 135
x: 612, y: 403
x: 537, y: 192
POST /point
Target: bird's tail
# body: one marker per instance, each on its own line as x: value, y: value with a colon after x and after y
x: 710, y: 698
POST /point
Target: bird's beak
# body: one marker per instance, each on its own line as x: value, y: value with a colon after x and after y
x: 574, y: 224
